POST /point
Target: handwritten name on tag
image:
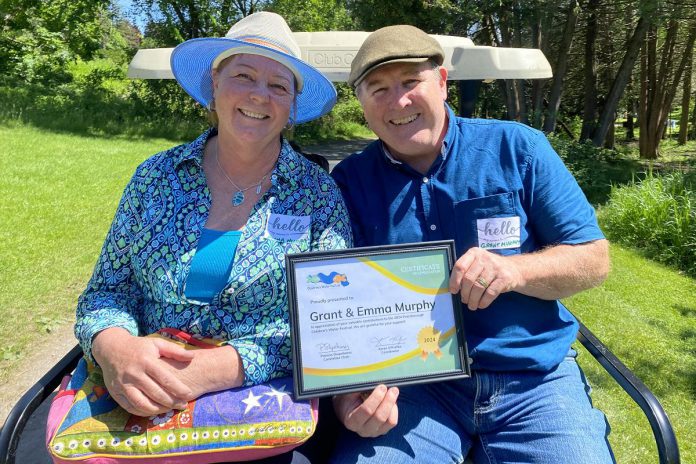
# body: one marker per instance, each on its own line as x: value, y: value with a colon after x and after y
x: 498, y: 233
x: 285, y: 227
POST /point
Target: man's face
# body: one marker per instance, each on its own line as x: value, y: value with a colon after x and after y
x: 404, y: 105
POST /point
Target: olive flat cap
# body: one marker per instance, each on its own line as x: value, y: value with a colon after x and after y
x: 391, y: 44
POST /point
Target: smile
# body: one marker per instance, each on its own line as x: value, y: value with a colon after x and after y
x: 251, y: 114
x: 406, y: 120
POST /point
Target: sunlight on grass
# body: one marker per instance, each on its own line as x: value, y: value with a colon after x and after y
x: 646, y: 314
x: 57, y: 198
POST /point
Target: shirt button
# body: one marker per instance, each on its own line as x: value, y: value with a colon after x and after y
x: 425, y: 180
x: 433, y: 227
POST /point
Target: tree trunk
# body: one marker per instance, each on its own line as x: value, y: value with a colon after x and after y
x: 561, y: 67
x: 665, y: 86
x: 630, y: 123
x: 589, y: 112
x: 686, y: 99
x: 619, y: 84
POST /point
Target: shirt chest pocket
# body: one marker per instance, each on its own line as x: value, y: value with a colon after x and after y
x: 489, y: 222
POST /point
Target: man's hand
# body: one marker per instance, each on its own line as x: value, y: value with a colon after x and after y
x: 136, y: 375
x: 372, y: 416
x: 479, y: 276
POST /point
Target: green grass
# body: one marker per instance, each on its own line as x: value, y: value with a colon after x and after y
x: 646, y: 314
x: 58, y: 195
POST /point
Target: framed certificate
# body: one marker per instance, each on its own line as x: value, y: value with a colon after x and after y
x: 373, y: 315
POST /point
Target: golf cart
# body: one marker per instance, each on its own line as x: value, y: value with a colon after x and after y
x: 332, y: 53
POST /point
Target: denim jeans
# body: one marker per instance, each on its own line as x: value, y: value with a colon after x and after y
x: 498, y: 417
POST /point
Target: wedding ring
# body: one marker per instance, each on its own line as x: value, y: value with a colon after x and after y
x: 482, y: 282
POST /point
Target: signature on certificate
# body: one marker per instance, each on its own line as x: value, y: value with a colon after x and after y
x: 393, y: 341
x: 332, y: 347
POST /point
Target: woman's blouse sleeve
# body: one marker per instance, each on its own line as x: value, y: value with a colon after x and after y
x: 112, y: 297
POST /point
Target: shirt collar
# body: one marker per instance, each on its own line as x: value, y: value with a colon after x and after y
x: 194, y: 150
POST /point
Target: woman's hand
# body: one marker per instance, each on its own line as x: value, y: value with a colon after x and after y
x: 210, y: 370
x: 136, y: 374
x: 369, y: 416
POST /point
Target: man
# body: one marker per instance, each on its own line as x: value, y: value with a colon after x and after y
x: 525, y: 237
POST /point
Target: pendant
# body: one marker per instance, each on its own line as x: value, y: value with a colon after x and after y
x: 238, y: 198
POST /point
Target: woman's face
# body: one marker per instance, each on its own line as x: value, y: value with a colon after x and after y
x: 253, y: 98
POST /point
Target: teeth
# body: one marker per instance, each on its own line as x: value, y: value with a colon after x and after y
x: 405, y: 120
x: 251, y: 114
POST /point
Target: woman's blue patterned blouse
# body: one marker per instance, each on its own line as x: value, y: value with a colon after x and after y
x: 139, y: 279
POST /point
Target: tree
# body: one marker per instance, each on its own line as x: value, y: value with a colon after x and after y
x: 561, y: 67
x: 661, y: 77
x: 38, y: 38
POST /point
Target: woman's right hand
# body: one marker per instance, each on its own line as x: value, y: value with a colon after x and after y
x: 136, y: 376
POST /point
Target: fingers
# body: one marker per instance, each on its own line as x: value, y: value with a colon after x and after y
x: 159, y: 391
x: 173, y: 351
x: 377, y: 414
x: 136, y: 403
x: 479, y: 276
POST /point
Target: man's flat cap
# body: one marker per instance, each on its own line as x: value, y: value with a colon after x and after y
x: 393, y: 44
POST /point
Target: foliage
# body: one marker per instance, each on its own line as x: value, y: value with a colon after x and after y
x: 313, y: 15
x: 657, y: 216
x: 595, y: 169
x: 38, y: 37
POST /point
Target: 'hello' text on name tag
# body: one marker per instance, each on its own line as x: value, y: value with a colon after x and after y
x: 285, y: 227
x: 498, y: 233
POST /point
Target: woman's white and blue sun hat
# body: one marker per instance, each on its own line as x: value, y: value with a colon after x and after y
x: 266, y: 34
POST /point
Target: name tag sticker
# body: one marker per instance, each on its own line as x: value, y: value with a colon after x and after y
x: 498, y: 233
x: 284, y: 227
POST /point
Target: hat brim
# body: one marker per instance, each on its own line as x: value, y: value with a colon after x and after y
x: 192, y: 61
x: 384, y: 63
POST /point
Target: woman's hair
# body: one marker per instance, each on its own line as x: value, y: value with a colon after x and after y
x: 212, y: 113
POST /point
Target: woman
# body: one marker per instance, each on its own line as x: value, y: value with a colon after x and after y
x: 199, y: 238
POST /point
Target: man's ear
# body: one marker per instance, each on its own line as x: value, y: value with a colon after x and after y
x: 443, y: 81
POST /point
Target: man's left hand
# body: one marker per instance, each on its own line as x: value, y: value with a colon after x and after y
x: 479, y: 276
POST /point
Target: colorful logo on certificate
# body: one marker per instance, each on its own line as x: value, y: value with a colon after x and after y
x: 332, y: 278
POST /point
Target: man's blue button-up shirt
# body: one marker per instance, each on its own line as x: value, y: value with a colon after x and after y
x: 497, y: 185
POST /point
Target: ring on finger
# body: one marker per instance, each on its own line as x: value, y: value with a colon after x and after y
x: 482, y: 282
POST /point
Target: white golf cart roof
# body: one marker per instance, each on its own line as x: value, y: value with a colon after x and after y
x: 332, y: 52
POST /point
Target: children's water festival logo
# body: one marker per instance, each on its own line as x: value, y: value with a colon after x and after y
x: 334, y: 278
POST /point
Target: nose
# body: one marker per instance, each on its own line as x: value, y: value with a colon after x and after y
x: 260, y: 91
x: 401, y: 98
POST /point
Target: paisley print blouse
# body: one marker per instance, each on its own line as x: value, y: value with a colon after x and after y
x: 139, y: 279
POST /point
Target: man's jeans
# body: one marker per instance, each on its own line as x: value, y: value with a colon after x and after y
x: 512, y: 417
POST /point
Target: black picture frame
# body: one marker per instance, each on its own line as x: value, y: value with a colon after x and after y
x: 293, y: 261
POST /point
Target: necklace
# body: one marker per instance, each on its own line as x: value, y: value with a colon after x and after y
x: 238, y: 198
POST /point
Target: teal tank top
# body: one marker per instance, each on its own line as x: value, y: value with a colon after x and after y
x: 212, y: 264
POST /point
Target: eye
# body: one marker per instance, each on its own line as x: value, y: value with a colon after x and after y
x: 243, y: 77
x: 379, y: 91
x: 280, y: 88
x: 410, y: 83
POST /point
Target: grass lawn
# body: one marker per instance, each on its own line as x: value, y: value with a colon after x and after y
x: 57, y: 197
x: 59, y: 193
